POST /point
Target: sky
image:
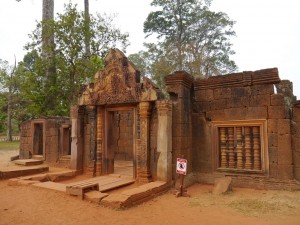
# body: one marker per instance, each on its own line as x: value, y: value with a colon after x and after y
x: 267, y: 31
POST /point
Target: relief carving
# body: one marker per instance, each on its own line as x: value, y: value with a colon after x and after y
x: 119, y: 82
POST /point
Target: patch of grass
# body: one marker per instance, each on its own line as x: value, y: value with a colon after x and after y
x: 9, y: 145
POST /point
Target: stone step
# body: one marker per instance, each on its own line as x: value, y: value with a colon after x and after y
x: 22, y: 171
x: 28, y: 162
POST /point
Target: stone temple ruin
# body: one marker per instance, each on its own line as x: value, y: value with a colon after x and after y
x: 242, y: 125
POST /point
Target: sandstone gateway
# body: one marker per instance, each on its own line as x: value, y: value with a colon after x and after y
x: 242, y: 125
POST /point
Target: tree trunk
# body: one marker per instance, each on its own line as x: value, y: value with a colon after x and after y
x: 87, y: 29
x: 48, y: 53
x: 9, y: 112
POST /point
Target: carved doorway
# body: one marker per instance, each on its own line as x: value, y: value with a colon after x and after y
x: 120, y: 136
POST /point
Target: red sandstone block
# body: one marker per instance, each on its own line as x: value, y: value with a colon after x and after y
x: 219, y: 104
x: 238, y: 102
x: 221, y: 93
x: 259, y: 100
x: 285, y: 172
x: 273, y: 170
x: 296, y: 114
x: 278, y: 112
x: 285, y: 143
x: 277, y: 99
x: 272, y: 126
x: 296, y: 158
x: 263, y: 89
x: 284, y: 126
x: 297, y: 173
x: 273, y: 154
x: 203, y: 106
x: 273, y: 139
x: 257, y: 113
x: 235, y: 113
x: 241, y: 91
x: 296, y: 144
x: 204, y: 95
x: 216, y: 115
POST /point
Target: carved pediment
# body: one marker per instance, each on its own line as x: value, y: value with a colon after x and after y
x: 118, y: 82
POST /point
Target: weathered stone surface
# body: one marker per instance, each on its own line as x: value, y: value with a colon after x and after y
x: 95, y: 196
x: 272, y: 126
x: 277, y: 100
x: 284, y: 126
x: 278, y: 112
x: 222, y: 185
x: 204, y: 95
x: 273, y: 139
x: 221, y: 93
x: 259, y: 100
x: 257, y: 112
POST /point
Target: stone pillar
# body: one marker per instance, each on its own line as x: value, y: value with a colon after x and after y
x: 99, y: 139
x: 143, y: 170
x: 164, y: 141
x: 179, y: 87
x: 77, y: 136
x: 91, y: 154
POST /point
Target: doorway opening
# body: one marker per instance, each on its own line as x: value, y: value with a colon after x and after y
x: 120, y: 144
x: 38, y: 139
x: 65, y: 141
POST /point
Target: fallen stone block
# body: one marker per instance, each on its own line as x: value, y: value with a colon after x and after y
x: 222, y: 185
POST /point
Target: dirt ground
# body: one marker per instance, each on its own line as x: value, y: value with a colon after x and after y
x: 28, y: 205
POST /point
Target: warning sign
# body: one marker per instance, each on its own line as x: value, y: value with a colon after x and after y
x: 181, y: 166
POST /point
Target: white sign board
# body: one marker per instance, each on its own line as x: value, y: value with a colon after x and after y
x: 181, y: 166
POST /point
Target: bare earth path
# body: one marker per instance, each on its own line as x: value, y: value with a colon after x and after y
x: 28, y: 205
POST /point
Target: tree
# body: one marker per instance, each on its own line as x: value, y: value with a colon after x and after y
x: 10, y: 88
x: 72, y: 67
x: 192, y: 37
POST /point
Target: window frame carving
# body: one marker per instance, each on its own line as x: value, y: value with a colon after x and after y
x: 264, y: 161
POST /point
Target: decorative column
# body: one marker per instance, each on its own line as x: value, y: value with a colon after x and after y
x: 256, y: 149
x: 144, y: 172
x: 248, y: 164
x: 231, y: 147
x: 77, y: 136
x: 164, y: 141
x: 99, y: 140
x: 223, y: 147
x: 90, y: 155
x: 239, y: 147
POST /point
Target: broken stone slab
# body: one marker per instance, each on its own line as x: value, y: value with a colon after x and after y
x: 13, y: 158
x: 222, y: 185
x: 94, y: 196
x: 136, y: 195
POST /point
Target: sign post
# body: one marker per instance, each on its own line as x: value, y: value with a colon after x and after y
x: 181, y: 168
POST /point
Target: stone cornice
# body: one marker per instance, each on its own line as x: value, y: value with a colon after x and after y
x: 179, y: 77
x: 246, y: 78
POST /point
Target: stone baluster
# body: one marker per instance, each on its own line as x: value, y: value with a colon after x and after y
x: 248, y: 164
x: 223, y: 147
x: 256, y: 149
x: 239, y: 147
x: 231, y: 148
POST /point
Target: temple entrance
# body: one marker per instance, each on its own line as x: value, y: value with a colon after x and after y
x: 120, y: 144
x: 38, y: 139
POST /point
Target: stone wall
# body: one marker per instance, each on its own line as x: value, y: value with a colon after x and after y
x: 296, y: 140
x: 244, y: 96
x: 50, y: 146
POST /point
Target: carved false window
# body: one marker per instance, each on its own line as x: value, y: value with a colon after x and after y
x: 240, y: 146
